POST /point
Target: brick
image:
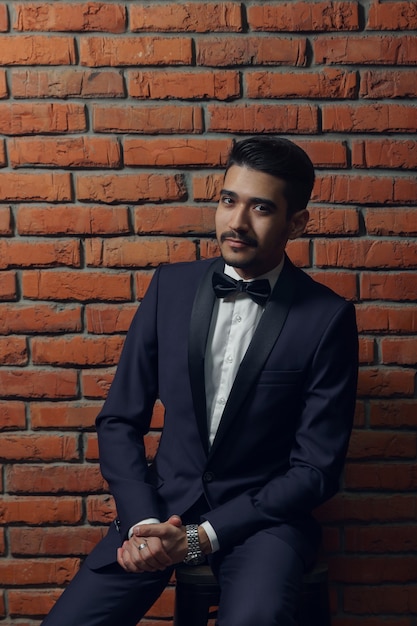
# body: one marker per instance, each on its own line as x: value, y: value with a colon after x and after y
x: 199, y: 17
x: 373, y: 569
x: 45, y: 254
x: 385, y: 382
x: 366, y: 50
x: 75, y: 286
x: 34, y: 118
x: 13, y: 351
x: 109, y: 318
x: 184, y: 85
x: 40, y: 510
x: 396, y: 413
x: 100, y: 509
x: 385, y: 153
x: 235, y: 51
x: 381, y: 599
x: 136, y: 252
x: 207, y: 188
x: 75, y: 415
x: 37, y: 50
x: 38, y: 571
x: 151, y: 441
x: 396, y: 286
x: 381, y: 476
x: 5, y: 221
x: 4, y: 18
x: 399, y: 350
x: 366, y: 351
x: 176, y: 152
x: 38, y: 384
x: 373, y: 118
x: 374, y: 445
x: 77, y: 152
x: 332, y: 221
x: 76, y: 350
x: 386, y: 83
x: 268, y: 118
x: 31, y: 447
x: 174, y: 220
x: 369, y: 508
x: 304, y: 16
x: 3, y: 160
x: 387, y: 319
x: 149, y: 120
x: 37, y: 542
x: 331, y: 154
x: 343, y: 283
x: 41, y: 479
x: 388, y: 222
x: 135, y: 51
x: 130, y: 188
x: 142, y: 281
x: 72, y: 220
x: 367, y: 253
x: 83, y: 17
x: 31, y: 602
x: 299, y: 252
x: 8, y: 286
x: 164, y: 606
x: 96, y: 383
x: 39, y: 187
x: 30, y: 319
x: 13, y: 415
x: 392, y: 16
x: 66, y: 83
x: 384, y: 190
x: 329, y: 83
x: 4, y: 92
x: 377, y: 540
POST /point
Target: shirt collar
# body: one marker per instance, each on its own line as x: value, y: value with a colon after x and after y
x: 272, y: 275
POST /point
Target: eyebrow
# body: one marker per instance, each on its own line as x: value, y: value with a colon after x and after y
x: 254, y: 200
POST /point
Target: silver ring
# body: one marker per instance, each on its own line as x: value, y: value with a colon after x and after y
x: 141, y: 546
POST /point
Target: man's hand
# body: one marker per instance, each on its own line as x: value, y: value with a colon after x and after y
x: 154, y: 547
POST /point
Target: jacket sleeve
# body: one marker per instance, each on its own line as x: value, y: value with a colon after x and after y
x: 126, y: 415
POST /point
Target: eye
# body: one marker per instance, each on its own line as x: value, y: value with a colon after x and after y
x: 228, y: 200
x: 262, y: 208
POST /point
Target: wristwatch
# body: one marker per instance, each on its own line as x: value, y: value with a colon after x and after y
x: 194, y: 555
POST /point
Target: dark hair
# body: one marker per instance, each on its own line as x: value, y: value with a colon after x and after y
x: 280, y: 158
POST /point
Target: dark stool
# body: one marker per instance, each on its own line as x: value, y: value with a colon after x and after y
x: 197, y: 592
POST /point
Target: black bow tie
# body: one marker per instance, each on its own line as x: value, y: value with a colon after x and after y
x: 258, y: 290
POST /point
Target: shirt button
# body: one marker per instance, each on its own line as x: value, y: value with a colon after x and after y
x: 208, y: 477
x: 222, y: 400
x: 238, y: 319
x: 229, y: 359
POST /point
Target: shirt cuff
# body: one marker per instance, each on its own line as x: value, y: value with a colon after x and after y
x: 211, y: 534
x: 149, y: 520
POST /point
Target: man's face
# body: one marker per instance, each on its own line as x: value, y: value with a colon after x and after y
x: 252, y: 228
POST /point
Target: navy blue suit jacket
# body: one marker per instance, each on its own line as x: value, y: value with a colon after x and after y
x: 282, y: 440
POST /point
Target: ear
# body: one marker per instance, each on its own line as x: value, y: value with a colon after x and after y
x: 298, y: 223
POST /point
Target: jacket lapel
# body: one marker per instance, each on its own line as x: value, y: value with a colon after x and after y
x: 199, y: 328
x: 264, y: 339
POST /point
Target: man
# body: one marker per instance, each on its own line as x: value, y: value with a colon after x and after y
x: 258, y: 386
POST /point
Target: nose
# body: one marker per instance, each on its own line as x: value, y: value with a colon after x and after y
x: 238, y: 218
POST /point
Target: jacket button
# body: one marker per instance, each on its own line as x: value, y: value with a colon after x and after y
x: 208, y: 477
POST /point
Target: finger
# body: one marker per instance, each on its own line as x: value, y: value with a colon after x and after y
x: 128, y: 562
x: 152, y: 554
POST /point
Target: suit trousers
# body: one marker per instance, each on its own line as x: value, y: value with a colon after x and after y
x: 259, y: 579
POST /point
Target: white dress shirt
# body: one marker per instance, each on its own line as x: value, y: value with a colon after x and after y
x: 233, y: 323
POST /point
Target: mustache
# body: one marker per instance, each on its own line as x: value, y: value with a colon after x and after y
x: 231, y: 234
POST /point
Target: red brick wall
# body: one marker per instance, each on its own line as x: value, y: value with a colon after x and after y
x: 115, y: 121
